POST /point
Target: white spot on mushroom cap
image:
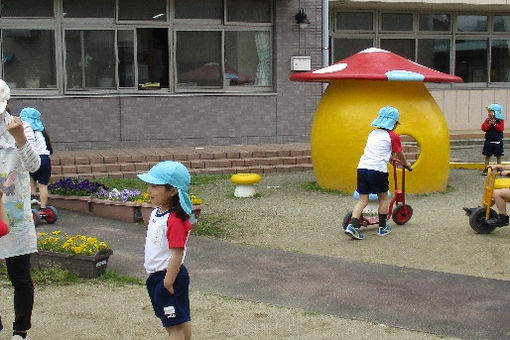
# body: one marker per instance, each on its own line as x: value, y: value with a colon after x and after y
x: 403, y: 75
x: 332, y: 68
x: 373, y: 50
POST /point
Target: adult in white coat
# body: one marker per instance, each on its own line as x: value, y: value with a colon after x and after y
x: 17, y: 158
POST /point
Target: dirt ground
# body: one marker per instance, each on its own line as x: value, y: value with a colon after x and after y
x: 286, y: 217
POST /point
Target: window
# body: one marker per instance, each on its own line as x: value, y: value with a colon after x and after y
x: 248, y: 59
x: 126, y: 51
x: 90, y: 59
x: 356, y: 21
x: 89, y: 8
x: 198, y: 9
x: 345, y: 47
x: 435, y: 22
x: 472, y: 23
x: 153, y: 10
x: 199, y: 66
x: 396, y: 22
x: 474, y: 46
x: 249, y: 10
x: 471, y: 60
x: 28, y: 58
x: 152, y: 57
x: 26, y: 8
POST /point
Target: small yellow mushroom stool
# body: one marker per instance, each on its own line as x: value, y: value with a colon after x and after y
x: 245, y: 184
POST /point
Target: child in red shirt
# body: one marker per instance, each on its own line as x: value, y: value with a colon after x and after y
x: 493, y: 127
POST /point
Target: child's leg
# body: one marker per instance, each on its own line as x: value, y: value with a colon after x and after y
x: 43, y: 195
x: 358, y: 208
x: 501, y: 196
x: 498, y: 159
x: 33, y: 188
x: 487, y: 158
x: 179, y: 332
x: 384, y: 204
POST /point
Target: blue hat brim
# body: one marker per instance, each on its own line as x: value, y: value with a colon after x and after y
x: 383, y: 122
x: 150, y: 179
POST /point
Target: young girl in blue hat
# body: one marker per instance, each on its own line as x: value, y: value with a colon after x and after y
x: 165, y: 246
x: 372, y: 173
x: 493, y: 126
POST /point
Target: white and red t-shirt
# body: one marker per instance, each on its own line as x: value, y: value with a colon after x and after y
x: 165, y: 231
x: 380, y: 145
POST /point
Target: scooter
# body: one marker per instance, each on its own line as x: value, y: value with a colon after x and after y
x: 402, y: 212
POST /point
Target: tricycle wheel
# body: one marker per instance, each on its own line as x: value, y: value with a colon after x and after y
x: 478, y: 223
x: 36, y: 217
x: 402, y: 213
x: 51, y: 214
x: 347, y: 220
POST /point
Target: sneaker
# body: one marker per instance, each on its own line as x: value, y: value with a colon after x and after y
x: 18, y: 337
x: 353, y: 232
x: 383, y: 231
x: 499, y: 221
x: 34, y: 199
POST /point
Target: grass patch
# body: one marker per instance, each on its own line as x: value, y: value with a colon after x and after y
x: 314, y: 186
x: 212, y: 225
x: 56, y: 276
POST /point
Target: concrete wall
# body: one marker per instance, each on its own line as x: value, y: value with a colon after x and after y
x: 115, y: 121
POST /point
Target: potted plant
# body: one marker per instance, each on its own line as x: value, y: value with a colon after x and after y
x: 85, y: 256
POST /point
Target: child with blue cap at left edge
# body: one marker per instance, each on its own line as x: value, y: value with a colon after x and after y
x: 165, y: 246
x: 372, y: 172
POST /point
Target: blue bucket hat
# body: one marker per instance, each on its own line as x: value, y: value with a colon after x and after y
x: 32, y: 117
x: 498, y: 111
x: 387, y: 118
x: 174, y: 174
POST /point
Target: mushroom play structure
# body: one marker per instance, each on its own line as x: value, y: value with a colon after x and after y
x: 358, y: 87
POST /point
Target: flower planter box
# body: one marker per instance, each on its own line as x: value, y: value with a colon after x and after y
x: 74, y: 203
x: 115, y: 210
x: 83, y: 266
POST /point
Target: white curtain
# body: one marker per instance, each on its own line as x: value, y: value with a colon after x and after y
x: 263, y: 75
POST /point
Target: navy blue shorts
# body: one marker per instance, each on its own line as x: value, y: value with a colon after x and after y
x: 492, y: 149
x: 171, y: 309
x: 42, y: 176
x: 372, y: 182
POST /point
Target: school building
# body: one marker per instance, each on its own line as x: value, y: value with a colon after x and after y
x: 131, y: 73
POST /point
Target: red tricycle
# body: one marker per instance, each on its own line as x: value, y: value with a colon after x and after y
x: 402, y: 212
x: 49, y: 214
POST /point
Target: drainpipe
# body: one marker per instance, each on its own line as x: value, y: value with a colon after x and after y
x: 325, y: 37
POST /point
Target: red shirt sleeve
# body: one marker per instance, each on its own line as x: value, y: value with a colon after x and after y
x: 396, y: 145
x: 177, y: 231
x: 485, y: 125
x: 3, y: 229
x: 500, y: 126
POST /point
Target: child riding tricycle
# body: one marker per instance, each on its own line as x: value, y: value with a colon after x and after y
x: 483, y: 219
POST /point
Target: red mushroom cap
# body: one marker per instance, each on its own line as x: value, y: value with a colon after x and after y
x: 376, y: 64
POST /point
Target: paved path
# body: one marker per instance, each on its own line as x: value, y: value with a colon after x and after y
x: 445, y: 304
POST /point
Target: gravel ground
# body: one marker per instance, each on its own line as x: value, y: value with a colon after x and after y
x: 438, y: 236
x: 286, y: 217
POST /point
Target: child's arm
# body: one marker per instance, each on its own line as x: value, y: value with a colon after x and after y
x: 4, y: 221
x: 499, y: 126
x: 402, y: 157
x: 174, y: 265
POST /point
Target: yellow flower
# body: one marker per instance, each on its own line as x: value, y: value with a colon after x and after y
x: 56, y: 232
x: 91, y: 240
